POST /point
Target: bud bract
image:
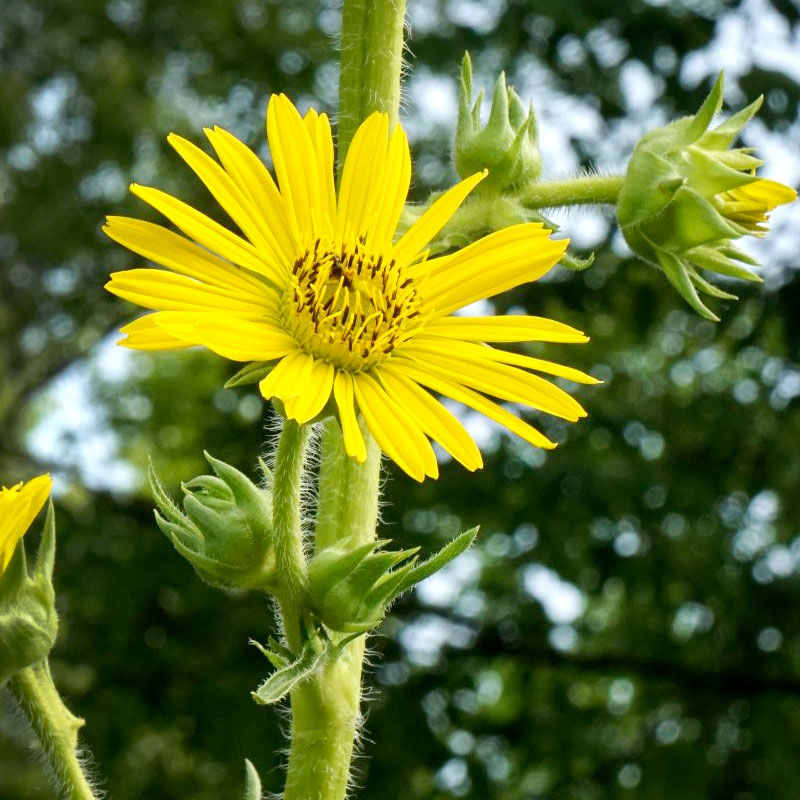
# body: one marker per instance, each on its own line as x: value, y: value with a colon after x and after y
x: 688, y: 195
x: 351, y: 585
x: 507, y: 145
x: 225, y: 527
x: 28, y: 620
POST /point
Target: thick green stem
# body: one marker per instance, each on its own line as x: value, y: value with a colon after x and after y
x: 287, y: 521
x: 370, y: 66
x: 586, y: 190
x: 326, y: 707
x: 55, y: 727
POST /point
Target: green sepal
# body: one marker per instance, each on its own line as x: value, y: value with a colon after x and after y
x: 283, y: 680
x: 678, y: 276
x: 28, y: 619
x: 576, y: 263
x: 433, y: 564
x: 253, y: 372
x: 252, y: 782
x: 717, y: 260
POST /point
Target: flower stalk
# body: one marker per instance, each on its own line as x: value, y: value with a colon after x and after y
x: 55, y: 727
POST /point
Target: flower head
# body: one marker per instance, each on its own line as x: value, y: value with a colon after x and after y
x: 19, y: 506
x: 345, y: 318
x: 28, y: 620
x: 687, y: 196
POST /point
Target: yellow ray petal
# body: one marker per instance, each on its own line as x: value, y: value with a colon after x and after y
x: 230, y: 197
x: 210, y: 234
x: 304, y: 407
x: 433, y: 220
x: 19, y: 506
x: 253, y: 178
x: 362, y: 177
x: 507, y: 383
x: 289, y: 377
x: 319, y: 132
x: 434, y: 419
x: 231, y: 337
x: 504, y: 329
x: 397, y: 435
x: 145, y: 334
x: 492, y: 354
x: 295, y: 164
x: 462, y: 394
x: 395, y: 181
x: 173, y: 251
x: 167, y: 291
x: 498, y: 262
x: 344, y: 393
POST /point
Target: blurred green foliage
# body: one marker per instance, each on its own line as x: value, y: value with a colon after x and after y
x: 625, y: 626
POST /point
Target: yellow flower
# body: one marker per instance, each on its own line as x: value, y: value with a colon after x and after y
x: 750, y: 204
x: 318, y: 285
x: 18, y: 507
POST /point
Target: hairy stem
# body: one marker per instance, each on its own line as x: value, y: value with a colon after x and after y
x: 55, y: 727
x: 286, y: 518
x: 370, y: 65
x: 326, y: 708
x: 585, y: 190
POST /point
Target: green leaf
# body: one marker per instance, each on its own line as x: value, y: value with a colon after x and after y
x: 281, y: 682
x: 250, y: 373
x: 252, y: 783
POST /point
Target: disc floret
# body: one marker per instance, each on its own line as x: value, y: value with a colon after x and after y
x: 350, y: 306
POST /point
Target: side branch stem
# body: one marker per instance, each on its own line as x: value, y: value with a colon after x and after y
x: 55, y: 727
x: 586, y: 190
x: 287, y: 520
x: 326, y: 708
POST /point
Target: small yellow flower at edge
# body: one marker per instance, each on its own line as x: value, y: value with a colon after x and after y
x: 318, y: 285
x: 19, y: 505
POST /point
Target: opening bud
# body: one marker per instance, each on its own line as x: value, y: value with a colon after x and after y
x: 225, y: 527
x: 688, y: 195
x: 28, y: 620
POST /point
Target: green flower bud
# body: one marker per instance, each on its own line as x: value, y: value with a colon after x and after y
x: 351, y: 586
x: 225, y: 528
x: 28, y: 620
x: 687, y: 196
x: 507, y: 146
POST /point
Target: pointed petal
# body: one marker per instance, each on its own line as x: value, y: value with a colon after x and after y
x: 362, y: 176
x: 319, y: 131
x: 462, y: 394
x: 504, y: 329
x: 289, y: 378
x: 253, y: 179
x: 231, y: 337
x: 507, y: 383
x: 482, y: 352
x: 162, y: 246
x: 398, y: 437
x: 433, y: 220
x: 296, y: 166
x: 498, y: 262
x: 308, y: 404
x: 210, y: 234
x: 145, y: 334
x: 434, y: 419
x: 344, y: 393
